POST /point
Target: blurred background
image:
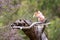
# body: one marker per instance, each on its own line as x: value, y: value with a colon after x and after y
x: 11, y: 10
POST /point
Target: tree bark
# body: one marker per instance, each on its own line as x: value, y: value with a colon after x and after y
x: 34, y: 33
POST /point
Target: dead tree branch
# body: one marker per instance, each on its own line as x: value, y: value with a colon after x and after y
x: 35, y: 31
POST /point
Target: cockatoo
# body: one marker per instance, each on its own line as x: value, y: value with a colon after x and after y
x: 40, y: 16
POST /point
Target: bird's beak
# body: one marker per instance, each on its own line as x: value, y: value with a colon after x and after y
x: 33, y: 16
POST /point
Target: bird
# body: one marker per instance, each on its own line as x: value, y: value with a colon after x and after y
x: 39, y: 15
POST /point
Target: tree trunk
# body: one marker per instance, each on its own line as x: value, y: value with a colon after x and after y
x: 34, y: 33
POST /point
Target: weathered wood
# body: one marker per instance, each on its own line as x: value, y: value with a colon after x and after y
x: 34, y: 33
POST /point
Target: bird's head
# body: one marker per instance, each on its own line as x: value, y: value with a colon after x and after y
x: 36, y: 14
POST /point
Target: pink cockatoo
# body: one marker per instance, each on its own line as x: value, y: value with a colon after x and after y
x: 40, y: 16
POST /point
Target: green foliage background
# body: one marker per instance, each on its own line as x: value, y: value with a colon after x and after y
x: 11, y: 10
